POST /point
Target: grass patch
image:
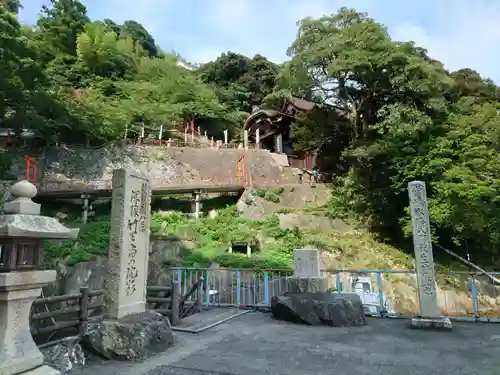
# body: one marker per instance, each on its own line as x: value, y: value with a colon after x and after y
x: 212, y: 237
x: 92, y: 240
x: 273, y: 195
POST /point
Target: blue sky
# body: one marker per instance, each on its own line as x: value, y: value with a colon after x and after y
x: 460, y: 33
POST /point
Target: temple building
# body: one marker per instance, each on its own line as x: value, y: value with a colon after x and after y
x: 271, y: 130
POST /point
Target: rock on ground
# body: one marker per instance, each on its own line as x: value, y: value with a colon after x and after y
x: 333, y: 309
x: 65, y: 355
x: 134, y: 337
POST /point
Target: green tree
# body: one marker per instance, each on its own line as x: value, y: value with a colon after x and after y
x: 60, y: 24
x: 349, y: 61
x: 240, y: 82
x: 11, y: 5
x: 139, y: 34
x: 163, y: 93
x: 103, y: 54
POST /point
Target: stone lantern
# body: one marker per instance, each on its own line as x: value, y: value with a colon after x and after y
x: 22, y: 232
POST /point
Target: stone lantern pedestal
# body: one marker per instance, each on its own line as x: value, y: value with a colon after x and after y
x: 22, y: 231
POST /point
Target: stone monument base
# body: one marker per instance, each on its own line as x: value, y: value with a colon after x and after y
x: 440, y: 323
x: 307, y: 284
x: 133, y: 337
x: 42, y: 370
x: 333, y: 309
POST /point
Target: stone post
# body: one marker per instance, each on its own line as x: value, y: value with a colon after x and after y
x: 85, y: 207
x: 226, y: 137
x: 22, y: 231
x: 245, y: 139
x: 197, y: 204
x: 307, y: 273
x: 424, y: 260
x: 257, y: 138
x: 125, y: 282
x: 126, y: 318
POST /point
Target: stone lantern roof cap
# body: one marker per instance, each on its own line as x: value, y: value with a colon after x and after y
x: 22, y: 217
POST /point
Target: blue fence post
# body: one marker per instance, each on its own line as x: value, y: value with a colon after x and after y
x: 338, y: 282
x: 185, y: 281
x: 238, y: 288
x: 474, y: 295
x: 380, y: 293
x: 179, y: 276
x: 266, y: 288
x: 207, y: 288
x: 191, y: 281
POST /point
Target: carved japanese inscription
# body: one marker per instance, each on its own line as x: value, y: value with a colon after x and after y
x: 136, y: 225
x: 423, y: 249
x: 125, y: 284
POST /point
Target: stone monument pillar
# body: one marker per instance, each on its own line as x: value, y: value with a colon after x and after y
x: 125, y: 282
x: 257, y: 138
x: 424, y: 261
x: 307, y: 273
x: 126, y: 317
x: 22, y: 233
x: 225, y: 136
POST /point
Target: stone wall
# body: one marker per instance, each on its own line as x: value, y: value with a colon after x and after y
x: 165, y: 165
x: 292, y: 197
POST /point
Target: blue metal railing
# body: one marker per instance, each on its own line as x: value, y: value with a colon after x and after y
x: 385, y: 293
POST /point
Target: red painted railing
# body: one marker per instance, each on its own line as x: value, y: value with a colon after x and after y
x: 30, y: 169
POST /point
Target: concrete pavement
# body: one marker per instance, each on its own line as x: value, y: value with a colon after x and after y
x: 257, y: 344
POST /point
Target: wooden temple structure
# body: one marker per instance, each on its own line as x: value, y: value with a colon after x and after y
x: 274, y: 131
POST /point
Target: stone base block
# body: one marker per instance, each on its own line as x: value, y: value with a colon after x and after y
x: 333, y: 309
x: 133, y: 337
x: 307, y: 284
x: 42, y: 370
x: 441, y: 323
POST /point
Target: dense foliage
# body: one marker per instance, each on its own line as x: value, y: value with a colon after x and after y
x: 403, y: 117
x: 389, y: 113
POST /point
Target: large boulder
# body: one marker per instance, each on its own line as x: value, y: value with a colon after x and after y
x: 333, y: 309
x: 134, y: 337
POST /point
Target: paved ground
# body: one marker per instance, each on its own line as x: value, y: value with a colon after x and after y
x: 256, y: 344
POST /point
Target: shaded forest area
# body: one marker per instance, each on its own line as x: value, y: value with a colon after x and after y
x: 388, y: 113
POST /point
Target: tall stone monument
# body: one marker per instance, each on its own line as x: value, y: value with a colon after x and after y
x: 129, y: 332
x: 125, y: 283
x: 424, y: 261
x: 306, y: 272
x: 22, y: 232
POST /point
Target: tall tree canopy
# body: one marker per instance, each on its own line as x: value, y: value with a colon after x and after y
x: 406, y: 118
x: 241, y: 82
